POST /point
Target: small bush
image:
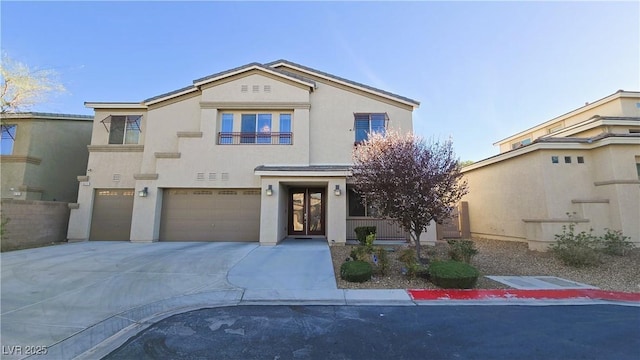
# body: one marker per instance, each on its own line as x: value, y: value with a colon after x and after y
x: 453, y: 274
x: 462, y: 250
x: 412, y: 267
x: 356, y: 271
x: 362, y: 232
x: 408, y: 256
x: 577, y: 250
x: 382, y: 267
x: 361, y: 253
x: 615, y: 243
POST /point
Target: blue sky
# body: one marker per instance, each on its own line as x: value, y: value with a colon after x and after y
x: 481, y: 70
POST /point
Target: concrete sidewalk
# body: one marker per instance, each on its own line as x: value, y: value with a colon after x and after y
x: 85, y: 299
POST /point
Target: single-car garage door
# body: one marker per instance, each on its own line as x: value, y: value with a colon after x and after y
x: 112, y: 210
x: 210, y: 215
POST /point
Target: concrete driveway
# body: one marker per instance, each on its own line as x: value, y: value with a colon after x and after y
x: 69, y: 298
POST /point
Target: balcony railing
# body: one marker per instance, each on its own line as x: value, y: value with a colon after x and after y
x: 244, y: 138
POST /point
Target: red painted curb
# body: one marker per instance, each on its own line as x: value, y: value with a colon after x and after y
x: 508, y: 294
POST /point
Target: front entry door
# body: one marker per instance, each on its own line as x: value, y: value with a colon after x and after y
x: 306, y: 209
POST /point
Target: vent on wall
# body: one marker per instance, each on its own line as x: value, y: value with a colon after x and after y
x: 212, y: 176
x: 255, y: 88
x: 244, y: 88
x: 116, y: 177
x: 267, y: 88
x: 200, y: 176
x: 225, y: 176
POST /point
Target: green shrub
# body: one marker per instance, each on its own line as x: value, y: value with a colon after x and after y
x: 462, y: 250
x: 382, y: 267
x: 412, y: 267
x: 362, y: 232
x: 577, y: 250
x: 361, y: 253
x: 453, y: 274
x: 356, y: 271
x: 615, y: 243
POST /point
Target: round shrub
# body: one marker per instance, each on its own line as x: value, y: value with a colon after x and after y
x: 356, y: 271
x: 453, y: 274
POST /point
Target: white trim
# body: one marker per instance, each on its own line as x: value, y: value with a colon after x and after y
x: 173, y: 95
x: 298, y: 174
x: 114, y: 105
x: 253, y: 67
x: 614, y: 96
x: 349, y: 84
x: 552, y: 146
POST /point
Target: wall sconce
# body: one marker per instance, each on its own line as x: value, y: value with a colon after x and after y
x: 270, y: 190
x: 144, y: 192
x: 337, y: 191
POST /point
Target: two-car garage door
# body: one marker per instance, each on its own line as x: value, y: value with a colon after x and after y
x: 210, y: 215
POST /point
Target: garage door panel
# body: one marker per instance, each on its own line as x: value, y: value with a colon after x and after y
x: 111, y: 217
x: 210, y: 215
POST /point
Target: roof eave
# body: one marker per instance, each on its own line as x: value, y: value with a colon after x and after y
x: 249, y: 67
x: 114, y: 105
x: 410, y: 102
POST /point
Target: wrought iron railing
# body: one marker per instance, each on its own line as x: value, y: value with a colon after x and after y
x: 260, y: 138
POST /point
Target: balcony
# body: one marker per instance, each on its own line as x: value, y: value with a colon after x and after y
x: 260, y: 138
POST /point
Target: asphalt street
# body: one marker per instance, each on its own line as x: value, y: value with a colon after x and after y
x: 392, y: 332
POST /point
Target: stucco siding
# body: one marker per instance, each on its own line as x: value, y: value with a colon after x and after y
x: 498, y: 200
x: 332, y: 122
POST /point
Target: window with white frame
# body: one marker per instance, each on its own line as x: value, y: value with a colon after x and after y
x: 124, y: 129
x: 366, y: 124
x: 8, y: 139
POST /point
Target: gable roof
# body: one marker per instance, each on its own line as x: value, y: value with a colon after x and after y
x: 588, y: 106
x: 344, y: 81
x: 45, y: 116
x: 273, y: 68
x: 227, y: 73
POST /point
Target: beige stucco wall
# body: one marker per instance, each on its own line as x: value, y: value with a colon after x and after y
x: 185, y: 130
x: 59, y: 145
x: 526, y: 197
x: 619, y: 104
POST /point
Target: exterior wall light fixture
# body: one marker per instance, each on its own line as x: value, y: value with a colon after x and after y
x: 270, y: 190
x: 144, y: 192
x: 337, y: 191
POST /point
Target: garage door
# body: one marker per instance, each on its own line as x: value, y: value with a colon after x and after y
x: 210, y: 215
x: 112, y: 210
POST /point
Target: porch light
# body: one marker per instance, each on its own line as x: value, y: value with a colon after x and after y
x: 337, y: 191
x: 144, y: 192
x: 269, y: 190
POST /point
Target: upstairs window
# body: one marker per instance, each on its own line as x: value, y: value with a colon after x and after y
x: 257, y: 128
x: 123, y: 129
x: 366, y: 124
x: 521, y: 143
x: 285, y: 129
x: 8, y: 139
x: 226, y: 129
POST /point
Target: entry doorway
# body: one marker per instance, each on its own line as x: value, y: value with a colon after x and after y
x: 306, y: 211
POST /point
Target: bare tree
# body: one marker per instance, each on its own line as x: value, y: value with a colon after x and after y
x: 408, y: 179
x: 22, y: 87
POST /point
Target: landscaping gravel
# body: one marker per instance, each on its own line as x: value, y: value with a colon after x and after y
x: 616, y: 273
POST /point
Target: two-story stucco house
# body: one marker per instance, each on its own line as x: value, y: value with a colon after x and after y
x: 585, y: 163
x: 42, y: 154
x: 257, y: 153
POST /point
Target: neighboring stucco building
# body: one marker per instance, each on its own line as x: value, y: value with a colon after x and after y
x: 585, y: 163
x: 261, y: 152
x: 42, y: 154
